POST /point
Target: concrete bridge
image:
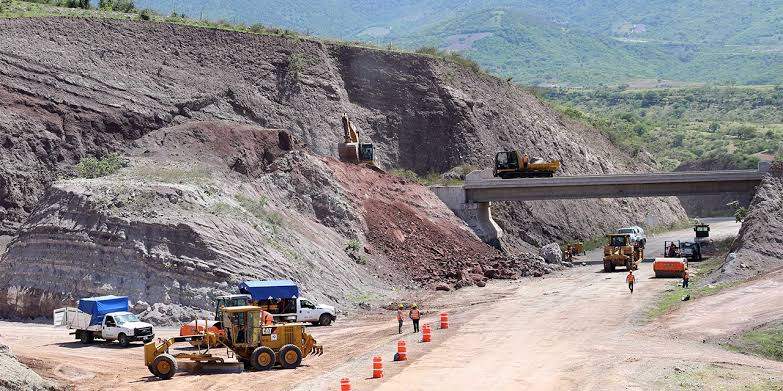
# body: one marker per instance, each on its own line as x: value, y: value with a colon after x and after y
x: 471, y: 201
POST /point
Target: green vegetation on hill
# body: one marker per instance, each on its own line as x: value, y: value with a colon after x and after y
x: 765, y: 341
x: 678, y: 125
x: 548, y: 42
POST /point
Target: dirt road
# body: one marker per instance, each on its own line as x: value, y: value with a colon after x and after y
x: 578, y: 329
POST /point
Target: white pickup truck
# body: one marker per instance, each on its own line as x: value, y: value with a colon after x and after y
x: 104, y: 318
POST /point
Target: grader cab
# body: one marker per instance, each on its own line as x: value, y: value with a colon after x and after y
x: 244, y: 335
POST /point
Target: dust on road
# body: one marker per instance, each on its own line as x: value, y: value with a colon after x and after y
x: 579, y: 329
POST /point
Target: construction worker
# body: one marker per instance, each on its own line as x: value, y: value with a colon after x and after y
x: 672, y: 250
x: 399, y: 318
x: 630, y: 279
x: 415, y: 315
x: 685, y: 278
x: 266, y: 318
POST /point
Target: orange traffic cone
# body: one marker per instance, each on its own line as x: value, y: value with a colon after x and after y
x: 426, y: 333
x: 345, y: 384
x: 377, y: 368
x: 444, y: 320
x: 402, y: 351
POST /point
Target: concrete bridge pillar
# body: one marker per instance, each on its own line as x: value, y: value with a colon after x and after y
x: 477, y: 215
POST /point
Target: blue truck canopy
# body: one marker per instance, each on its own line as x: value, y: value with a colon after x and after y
x: 274, y: 289
x: 98, y: 307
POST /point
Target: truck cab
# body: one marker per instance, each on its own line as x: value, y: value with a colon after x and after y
x: 312, y: 312
x: 124, y: 327
x: 636, y: 234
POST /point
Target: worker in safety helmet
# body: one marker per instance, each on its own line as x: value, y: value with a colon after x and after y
x: 415, y: 315
x: 399, y: 318
x: 266, y: 318
x: 630, y: 279
x: 685, y: 278
x: 672, y: 250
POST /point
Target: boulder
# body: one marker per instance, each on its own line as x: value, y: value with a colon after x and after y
x: 551, y: 253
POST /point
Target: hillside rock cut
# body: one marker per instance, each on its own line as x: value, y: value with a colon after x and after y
x: 72, y: 87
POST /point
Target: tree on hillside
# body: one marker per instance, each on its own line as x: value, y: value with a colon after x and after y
x: 85, y: 4
x: 117, y: 5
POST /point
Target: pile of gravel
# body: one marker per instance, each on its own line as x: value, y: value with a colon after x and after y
x: 15, y: 376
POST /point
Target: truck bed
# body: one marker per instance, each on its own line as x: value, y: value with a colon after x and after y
x: 73, y: 319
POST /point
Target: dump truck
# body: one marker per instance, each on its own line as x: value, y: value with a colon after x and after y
x: 104, y: 317
x: 513, y: 164
x: 281, y: 299
x: 255, y: 345
x: 622, y: 251
x: 352, y: 150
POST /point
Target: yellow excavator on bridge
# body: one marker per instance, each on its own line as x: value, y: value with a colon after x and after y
x: 513, y: 164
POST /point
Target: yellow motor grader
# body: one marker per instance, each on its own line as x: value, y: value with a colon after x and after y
x: 254, y: 344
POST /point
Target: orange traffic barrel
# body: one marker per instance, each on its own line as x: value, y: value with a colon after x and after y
x: 345, y: 384
x: 426, y: 333
x: 402, y: 351
x: 444, y: 320
x: 377, y: 368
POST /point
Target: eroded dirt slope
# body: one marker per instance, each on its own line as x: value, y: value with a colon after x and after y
x: 758, y: 248
x: 205, y: 205
x: 72, y: 87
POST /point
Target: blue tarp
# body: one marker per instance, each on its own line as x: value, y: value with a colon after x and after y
x: 275, y: 289
x: 100, y: 306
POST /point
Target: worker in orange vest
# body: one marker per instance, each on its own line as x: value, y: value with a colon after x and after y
x: 685, y: 278
x: 399, y: 318
x: 415, y: 315
x: 630, y: 279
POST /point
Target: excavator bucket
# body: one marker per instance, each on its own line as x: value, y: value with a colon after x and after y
x: 317, y: 350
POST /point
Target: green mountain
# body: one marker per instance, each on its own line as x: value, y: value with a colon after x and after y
x: 678, y: 125
x: 550, y: 42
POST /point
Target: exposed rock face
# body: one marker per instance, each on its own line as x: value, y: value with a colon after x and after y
x: 72, y: 87
x: 758, y: 248
x: 16, y: 376
x: 203, y: 206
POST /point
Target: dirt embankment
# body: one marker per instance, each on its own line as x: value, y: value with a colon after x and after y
x: 758, y: 248
x: 205, y: 205
x: 15, y: 376
x: 71, y: 87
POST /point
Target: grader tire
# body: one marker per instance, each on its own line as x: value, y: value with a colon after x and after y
x: 164, y: 366
x: 290, y: 356
x: 263, y: 358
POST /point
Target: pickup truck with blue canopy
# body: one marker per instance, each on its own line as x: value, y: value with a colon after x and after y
x: 104, y: 317
x: 281, y: 299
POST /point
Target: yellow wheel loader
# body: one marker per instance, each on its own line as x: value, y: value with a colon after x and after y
x: 513, y: 164
x: 254, y: 344
x: 352, y: 150
x: 622, y: 251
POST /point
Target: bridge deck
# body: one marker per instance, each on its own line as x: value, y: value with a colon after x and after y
x: 613, y: 186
